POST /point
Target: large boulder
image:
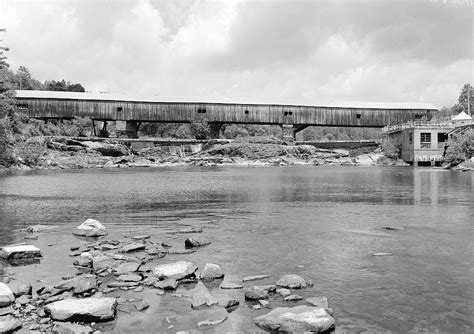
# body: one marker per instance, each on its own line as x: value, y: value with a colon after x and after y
x: 211, y: 272
x: 292, y: 282
x: 6, y: 295
x: 90, y: 228
x: 106, y: 149
x: 70, y: 328
x: 177, y: 270
x: 194, y: 242
x: 296, y: 319
x: 201, y: 296
x: 126, y: 268
x: 87, y: 309
x: 20, y: 289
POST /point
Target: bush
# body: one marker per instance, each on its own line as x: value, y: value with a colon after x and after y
x: 460, y: 148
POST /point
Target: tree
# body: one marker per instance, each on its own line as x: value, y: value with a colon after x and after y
x: 463, y: 97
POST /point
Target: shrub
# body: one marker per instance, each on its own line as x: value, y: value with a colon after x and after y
x: 460, y: 148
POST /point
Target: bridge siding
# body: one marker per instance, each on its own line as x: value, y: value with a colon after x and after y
x: 216, y: 112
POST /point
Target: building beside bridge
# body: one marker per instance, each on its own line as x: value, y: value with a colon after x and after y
x: 129, y: 112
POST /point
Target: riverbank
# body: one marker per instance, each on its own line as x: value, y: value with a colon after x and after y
x: 68, y: 153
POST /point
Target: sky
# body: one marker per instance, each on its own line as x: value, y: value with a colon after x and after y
x: 273, y: 51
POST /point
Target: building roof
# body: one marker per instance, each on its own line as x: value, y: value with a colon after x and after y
x: 462, y: 116
x: 41, y: 94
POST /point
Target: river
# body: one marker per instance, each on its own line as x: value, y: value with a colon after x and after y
x: 272, y: 221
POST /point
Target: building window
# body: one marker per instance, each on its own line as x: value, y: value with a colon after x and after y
x: 119, y: 108
x: 425, y: 140
x: 201, y: 111
x: 441, y: 139
x: 358, y: 115
x: 246, y: 112
x: 410, y: 138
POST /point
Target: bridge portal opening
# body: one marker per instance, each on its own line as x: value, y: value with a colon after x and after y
x: 246, y: 112
x: 358, y: 116
x: 119, y: 108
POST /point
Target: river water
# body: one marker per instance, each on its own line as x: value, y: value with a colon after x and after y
x: 272, y: 221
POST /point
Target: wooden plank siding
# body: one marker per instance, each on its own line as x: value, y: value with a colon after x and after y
x: 177, y: 112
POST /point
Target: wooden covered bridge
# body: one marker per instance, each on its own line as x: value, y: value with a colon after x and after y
x: 130, y: 112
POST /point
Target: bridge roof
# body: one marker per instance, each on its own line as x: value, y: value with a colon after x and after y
x: 57, y: 95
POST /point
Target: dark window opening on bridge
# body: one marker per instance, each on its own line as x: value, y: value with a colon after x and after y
x: 119, y: 108
x: 418, y: 117
x: 22, y: 106
x: 425, y: 140
x: 201, y: 111
x: 288, y: 113
x: 246, y: 112
x: 358, y: 115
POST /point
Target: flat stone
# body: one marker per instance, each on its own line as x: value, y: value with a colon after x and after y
x: 133, y: 247
x: 256, y: 294
x: 211, y: 272
x: 263, y: 302
x: 23, y: 300
x: 141, y: 237
x: 83, y: 261
x: 9, y: 324
x: 318, y: 301
x: 167, y: 284
x: 70, y: 328
x: 6, y: 295
x: 126, y: 268
x: 87, y: 309
x: 122, y: 284
x: 283, y: 292
x: 80, y: 284
x: 292, y: 298
x: 292, y: 282
x: 382, y: 254
x: 394, y: 228
x: 193, y: 242
x: 129, y: 278
x: 230, y: 285
x: 138, y: 289
x: 189, y: 230
x: 180, y: 251
x: 20, y: 289
x: 254, y: 278
x: 296, y: 319
x: 40, y: 228
x: 141, y: 306
x: 90, y: 228
x: 177, y: 270
x: 202, y: 297
x: 6, y: 310
x: 227, y: 303
x: 121, y: 257
x: 211, y: 322
x: 18, y: 252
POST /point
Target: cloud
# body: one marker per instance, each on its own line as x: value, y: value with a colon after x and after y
x: 262, y: 51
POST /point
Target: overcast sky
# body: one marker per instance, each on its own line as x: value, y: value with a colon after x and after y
x: 300, y: 52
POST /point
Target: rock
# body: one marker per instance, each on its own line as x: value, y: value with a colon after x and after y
x: 167, y: 284
x: 122, y: 284
x: 296, y: 319
x: 107, y: 149
x: 394, y: 228
x: 256, y: 293
x: 257, y: 307
x: 189, y: 230
x: 80, y: 284
x: 141, y: 306
x: 292, y: 298
x: 193, y: 242
x: 283, y: 292
x: 129, y: 278
x: 211, y: 271
x: 227, y: 303
x: 6, y: 295
x: 292, y: 282
x: 177, y: 270
x: 202, y: 296
x: 90, y: 228
x: 230, y: 285
x: 19, y: 252
x: 382, y: 254
x: 254, y: 278
x: 126, y: 268
x: 180, y: 251
x: 40, y: 228
x: 141, y: 237
x: 9, y: 324
x: 264, y: 303
x: 70, y: 328
x: 6, y: 310
x: 318, y: 301
x: 87, y: 309
x: 23, y: 300
x: 20, y: 289
x: 83, y: 261
x: 133, y: 247
x: 211, y: 322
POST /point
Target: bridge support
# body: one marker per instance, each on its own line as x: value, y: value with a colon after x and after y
x: 127, y: 129
x: 215, y: 130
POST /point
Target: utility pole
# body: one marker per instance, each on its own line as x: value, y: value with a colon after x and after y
x: 469, y: 100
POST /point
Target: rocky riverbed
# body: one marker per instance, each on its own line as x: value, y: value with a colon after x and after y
x: 67, y: 153
x: 115, y: 278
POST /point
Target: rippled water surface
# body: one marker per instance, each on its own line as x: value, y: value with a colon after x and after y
x: 269, y: 221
